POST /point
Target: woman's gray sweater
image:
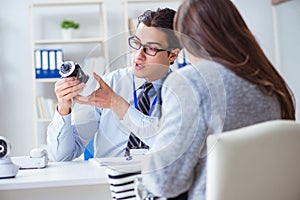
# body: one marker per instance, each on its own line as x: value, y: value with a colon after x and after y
x: 199, y: 100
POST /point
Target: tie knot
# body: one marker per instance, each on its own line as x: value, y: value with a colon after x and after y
x: 147, y: 87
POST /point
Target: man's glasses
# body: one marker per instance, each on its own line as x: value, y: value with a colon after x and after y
x: 136, y: 44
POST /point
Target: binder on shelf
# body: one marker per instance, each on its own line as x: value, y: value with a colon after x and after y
x: 48, y: 62
x: 40, y: 112
x: 59, y: 60
x: 45, y: 63
x: 45, y: 107
x: 38, y: 62
x: 52, y: 63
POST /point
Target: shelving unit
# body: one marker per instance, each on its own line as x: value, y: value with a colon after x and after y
x: 88, y: 42
x: 133, y: 8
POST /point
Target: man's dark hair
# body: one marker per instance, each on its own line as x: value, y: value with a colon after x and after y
x: 161, y: 18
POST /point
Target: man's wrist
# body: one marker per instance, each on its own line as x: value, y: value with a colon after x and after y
x: 63, y: 110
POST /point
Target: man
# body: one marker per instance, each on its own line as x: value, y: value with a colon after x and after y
x: 110, y: 121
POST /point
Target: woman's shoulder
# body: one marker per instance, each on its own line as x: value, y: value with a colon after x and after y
x: 199, y: 75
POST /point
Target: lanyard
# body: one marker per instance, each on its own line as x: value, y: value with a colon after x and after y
x: 136, y: 101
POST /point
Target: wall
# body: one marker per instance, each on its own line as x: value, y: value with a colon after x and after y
x: 258, y: 16
x: 288, y: 15
x: 15, y: 56
x: 15, y: 76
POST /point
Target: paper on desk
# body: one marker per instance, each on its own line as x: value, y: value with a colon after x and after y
x: 115, y: 161
x: 119, y: 164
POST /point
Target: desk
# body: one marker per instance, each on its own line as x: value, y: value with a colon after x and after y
x: 59, y: 180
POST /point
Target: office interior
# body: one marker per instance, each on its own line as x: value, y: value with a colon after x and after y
x: 276, y: 28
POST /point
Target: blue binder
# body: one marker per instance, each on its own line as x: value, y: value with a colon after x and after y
x: 47, y: 62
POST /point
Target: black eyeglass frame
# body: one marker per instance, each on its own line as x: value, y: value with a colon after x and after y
x: 145, y: 47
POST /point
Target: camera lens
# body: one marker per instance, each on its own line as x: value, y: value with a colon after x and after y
x: 71, y: 69
x: 66, y: 67
x: 3, y: 148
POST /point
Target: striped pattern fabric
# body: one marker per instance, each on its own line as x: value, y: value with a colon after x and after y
x: 144, y: 102
x: 144, y: 106
x: 122, y: 182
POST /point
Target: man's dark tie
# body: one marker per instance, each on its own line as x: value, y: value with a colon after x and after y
x: 144, y: 106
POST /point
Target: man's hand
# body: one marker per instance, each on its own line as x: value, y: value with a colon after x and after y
x: 105, y: 97
x: 65, y: 90
x: 100, y: 97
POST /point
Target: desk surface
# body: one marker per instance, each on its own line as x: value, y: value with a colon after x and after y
x: 57, y: 174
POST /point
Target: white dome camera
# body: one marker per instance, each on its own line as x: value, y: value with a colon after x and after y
x: 4, y: 148
x: 7, y: 168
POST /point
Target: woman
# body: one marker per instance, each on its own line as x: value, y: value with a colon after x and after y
x: 230, y: 84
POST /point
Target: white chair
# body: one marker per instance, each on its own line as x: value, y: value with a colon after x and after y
x: 260, y: 162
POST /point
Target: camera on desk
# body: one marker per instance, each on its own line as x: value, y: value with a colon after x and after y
x: 71, y: 69
x: 4, y: 148
x: 7, y: 168
x: 37, y: 159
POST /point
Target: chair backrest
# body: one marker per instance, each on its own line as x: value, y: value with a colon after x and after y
x: 89, y: 150
x: 260, y: 162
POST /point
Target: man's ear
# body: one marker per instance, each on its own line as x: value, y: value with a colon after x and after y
x: 173, y: 55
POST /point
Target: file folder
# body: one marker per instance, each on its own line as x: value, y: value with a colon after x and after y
x: 45, y: 63
x: 52, y: 63
x: 59, y: 60
x: 38, y: 63
x: 48, y: 62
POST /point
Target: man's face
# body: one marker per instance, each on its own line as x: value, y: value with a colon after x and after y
x: 146, y: 66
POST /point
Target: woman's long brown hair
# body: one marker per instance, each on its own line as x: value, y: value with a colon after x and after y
x: 222, y: 35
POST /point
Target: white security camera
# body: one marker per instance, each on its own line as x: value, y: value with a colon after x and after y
x: 4, y: 148
x: 38, y: 159
x: 71, y: 69
x: 7, y: 168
